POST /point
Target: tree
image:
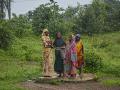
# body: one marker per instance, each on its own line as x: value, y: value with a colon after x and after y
x: 1, y: 9
x: 5, y: 5
x: 52, y: 1
x: 46, y: 16
x: 6, y: 36
x: 98, y: 17
x: 113, y: 12
x: 19, y: 25
x: 8, y: 5
x: 92, y: 18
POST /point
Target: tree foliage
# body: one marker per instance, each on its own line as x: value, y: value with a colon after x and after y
x: 6, y: 37
x: 98, y: 17
x: 19, y: 25
x: 46, y: 16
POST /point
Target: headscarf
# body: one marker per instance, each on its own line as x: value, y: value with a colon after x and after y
x: 78, y: 35
x: 44, y: 37
x: 73, y: 38
x: 45, y: 30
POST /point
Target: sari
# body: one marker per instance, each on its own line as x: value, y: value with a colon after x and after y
x: 73, y: 58
x: 47, y: 55
x: 67, y: 63
x: 80, y: 56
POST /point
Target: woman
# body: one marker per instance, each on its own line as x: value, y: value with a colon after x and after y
x: 59, y: 45
x: 67, y: 61
x: 47, y: 54
x: 80, y: 53
x: 73, y: 56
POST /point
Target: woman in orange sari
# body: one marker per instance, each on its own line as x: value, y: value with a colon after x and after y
x: 80, y: 53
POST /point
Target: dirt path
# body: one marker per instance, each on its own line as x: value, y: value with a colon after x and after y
x: 90, y: 85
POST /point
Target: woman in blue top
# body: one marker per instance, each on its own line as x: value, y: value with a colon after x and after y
x: 59, y: 45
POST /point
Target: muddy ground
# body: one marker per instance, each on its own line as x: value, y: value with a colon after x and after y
x: 89, y: 85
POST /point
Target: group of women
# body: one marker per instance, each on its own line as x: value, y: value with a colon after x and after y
x: 69, y: 55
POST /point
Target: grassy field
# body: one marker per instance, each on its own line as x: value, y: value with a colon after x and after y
x: 108, y: 47
x: 13, y: 64
x: 23, y: 61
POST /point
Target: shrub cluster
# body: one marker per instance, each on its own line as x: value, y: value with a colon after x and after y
x: 6, y: 36
x: 93, y: 62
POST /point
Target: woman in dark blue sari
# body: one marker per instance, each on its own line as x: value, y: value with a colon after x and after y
x: 59, y: 45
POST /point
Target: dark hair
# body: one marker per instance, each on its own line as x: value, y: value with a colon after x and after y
x: 57, y: 33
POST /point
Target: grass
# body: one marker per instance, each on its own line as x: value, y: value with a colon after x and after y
x: 32, y: 43
x: 12, y: 72
x: 112, y: 82
x: 108, y: 48
x: 13, y: 65
x: 14, y: 68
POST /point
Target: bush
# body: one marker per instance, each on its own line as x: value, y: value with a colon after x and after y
x: 19, y: 25
x: 28, y: 53
x: 6, y: 36
x: 93, y: 62
x: 112, y: 69
x: 101, y: 43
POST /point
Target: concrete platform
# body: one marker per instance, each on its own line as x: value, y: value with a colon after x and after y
x: 85, y: 77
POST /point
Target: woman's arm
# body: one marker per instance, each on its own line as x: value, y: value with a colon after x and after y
x: 54, y: 43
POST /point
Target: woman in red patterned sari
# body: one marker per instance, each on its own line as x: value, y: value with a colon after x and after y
x: 73, y: 56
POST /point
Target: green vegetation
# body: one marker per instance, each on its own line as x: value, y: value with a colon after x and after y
x: 5, y: 36
x: 93, y: 62
x: 14, y: 68
x: 21, y: 47
x: 98, y: 17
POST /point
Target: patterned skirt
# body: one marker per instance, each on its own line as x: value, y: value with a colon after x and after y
x: 48, y: 62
